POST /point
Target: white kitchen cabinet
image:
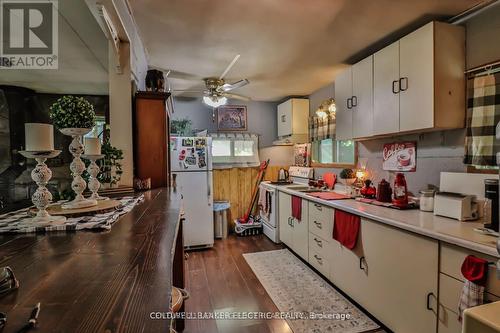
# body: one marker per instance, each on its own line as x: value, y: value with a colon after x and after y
x: 385, y: 90
x: 385, y: 276
x: 417, y: 84
x: 354, y: 99
x: 284, y: 216
x: 432, y: 84
x: 343, y: 95
x: 362, y: 99
x: 293, y: 116
x: 294, y: 233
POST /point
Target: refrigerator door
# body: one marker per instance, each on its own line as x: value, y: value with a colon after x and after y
x: 197, y: 194
x: 190, y: 153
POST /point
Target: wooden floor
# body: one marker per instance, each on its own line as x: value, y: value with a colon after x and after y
x: 219, y: 279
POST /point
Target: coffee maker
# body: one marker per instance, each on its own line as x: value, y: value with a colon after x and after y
x: 491, y: 194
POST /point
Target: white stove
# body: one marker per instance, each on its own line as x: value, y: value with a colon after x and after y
x: 298, y: 176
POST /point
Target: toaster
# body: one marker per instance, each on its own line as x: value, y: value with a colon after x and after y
x: 457, y: 206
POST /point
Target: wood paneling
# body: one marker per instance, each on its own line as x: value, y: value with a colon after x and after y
x: 236, y: 184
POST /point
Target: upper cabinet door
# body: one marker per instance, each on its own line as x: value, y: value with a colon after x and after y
x: 343, y: 95
x: 285, y: 115
x: 386, y: 90
x: 362, y: 100
x: 417, y: 79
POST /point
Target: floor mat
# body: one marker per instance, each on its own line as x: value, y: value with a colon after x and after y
x: 305, y: 297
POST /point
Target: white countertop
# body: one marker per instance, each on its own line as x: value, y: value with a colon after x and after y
x: 423, y: 223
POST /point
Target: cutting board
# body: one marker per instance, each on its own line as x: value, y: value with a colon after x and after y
x: 329, y: 195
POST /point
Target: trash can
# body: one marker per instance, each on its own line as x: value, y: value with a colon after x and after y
x: 220, y: 218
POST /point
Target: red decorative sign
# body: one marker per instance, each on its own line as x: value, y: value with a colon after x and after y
x: 400, y: 156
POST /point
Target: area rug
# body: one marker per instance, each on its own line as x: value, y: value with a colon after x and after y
x: 304, y: 297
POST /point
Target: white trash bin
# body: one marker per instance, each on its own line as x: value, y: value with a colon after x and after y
x: 220, y: 218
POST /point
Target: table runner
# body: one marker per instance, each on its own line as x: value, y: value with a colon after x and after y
x: 19, y: 221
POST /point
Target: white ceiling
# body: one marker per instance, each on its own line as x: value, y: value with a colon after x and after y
x: 287, y: 47
x: 83, y: 57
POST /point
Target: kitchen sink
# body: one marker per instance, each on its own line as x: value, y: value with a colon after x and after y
x: 298, y: 187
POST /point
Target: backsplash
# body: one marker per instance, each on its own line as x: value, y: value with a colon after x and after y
x: 436, y: 152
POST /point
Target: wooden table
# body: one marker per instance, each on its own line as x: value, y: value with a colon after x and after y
x: 99, y: 281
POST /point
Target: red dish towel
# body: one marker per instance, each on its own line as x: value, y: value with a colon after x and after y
x: 475, y: 272
x: 346, y: 228
x: 297, y: 207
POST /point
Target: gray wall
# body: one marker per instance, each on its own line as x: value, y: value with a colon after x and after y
x: 261, y: 117
x: 436, y: 151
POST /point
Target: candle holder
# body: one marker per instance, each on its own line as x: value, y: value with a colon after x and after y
x: 93, y: 169
x: 41, y: 175
x: 78, y: 185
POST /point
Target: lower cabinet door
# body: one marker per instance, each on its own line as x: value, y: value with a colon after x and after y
x: 300, y: 233
x: 285, y: 218
x: 402, y: 278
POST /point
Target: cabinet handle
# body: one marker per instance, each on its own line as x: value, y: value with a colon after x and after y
x: 289, y: 223
x: 319, y: 242
x: 283, y: 118
x: 349, y: 105
x: 394, y: 91
x: 354, y: 100
x: 319, y: 259
x: 318, y: 206
x: 361, y: 260
x: 318, y: 224
x: 428, y: 305
x: 405, y: 80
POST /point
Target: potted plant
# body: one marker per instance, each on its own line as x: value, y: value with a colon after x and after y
x: 347, y: 177
x: 111, y: 168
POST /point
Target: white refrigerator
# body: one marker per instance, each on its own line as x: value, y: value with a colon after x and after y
x: 191, y: 164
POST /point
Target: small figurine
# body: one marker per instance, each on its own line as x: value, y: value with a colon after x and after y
x: 368, y: 191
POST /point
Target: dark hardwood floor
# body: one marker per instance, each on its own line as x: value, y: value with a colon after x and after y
x: 219, y: 279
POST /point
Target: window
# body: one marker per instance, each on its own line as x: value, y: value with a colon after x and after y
x: 326, y: 151
x: 98, y: 129
x: 330, y: 151
x: 221, y: 147
x: 235, y: 150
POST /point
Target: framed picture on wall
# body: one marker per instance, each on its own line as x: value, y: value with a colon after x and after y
x: 400, y: 156
x: 232, y: 118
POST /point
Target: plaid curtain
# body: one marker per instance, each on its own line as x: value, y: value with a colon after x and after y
x: 483, y: 115
x: 321, y: 128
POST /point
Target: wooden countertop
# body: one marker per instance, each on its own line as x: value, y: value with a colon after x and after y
x: 96, y: 281
x: 423, y: 223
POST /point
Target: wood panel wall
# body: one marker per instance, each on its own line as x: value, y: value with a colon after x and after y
x: 236, y: 184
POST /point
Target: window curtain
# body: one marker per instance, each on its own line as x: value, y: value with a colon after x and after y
x: 321, y: 128
x: 483, y: 115
x: 244, y: 151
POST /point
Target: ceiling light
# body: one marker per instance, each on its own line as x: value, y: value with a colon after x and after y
x: 214, y: 101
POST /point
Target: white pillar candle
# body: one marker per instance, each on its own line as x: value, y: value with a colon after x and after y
x: 92, y: 146
x: 39, y: 137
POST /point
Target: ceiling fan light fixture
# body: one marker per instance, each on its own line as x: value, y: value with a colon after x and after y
x: 214, y: 101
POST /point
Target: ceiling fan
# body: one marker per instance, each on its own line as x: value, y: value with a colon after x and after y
x: 217, y: 91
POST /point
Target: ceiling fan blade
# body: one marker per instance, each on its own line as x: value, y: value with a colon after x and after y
x: 235, y: 85
x: 229, y: 67
x: 236, y: 96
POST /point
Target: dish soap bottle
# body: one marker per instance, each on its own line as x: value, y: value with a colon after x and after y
x: 400, y: 191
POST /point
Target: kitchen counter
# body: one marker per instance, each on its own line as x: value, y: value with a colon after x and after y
x: 98, y: 281
x: 423, y: 223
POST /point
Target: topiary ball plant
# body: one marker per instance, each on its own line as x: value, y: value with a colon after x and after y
x: 72, y: 112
